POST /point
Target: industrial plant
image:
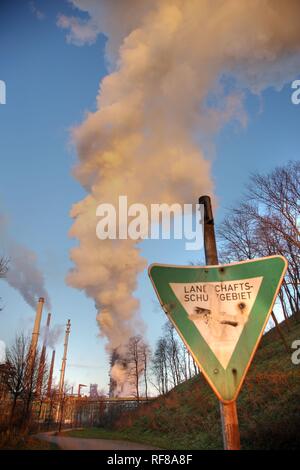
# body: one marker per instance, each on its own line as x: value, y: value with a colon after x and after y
x: 48, y: 405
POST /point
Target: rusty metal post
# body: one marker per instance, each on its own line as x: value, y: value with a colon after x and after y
x: 229, y: 417
x: 210, y: 246
x: 230, y: 426
x: 51, y: 374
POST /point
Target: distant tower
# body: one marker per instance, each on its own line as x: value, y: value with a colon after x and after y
x: 93, y: 390
x: 30, y: 366
x: 64, y: 360
x: 51, y: 374
x: 80, y: 386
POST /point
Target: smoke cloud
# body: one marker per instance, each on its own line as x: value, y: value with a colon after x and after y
x: 119, y: 376
x: 52, y: 335
x: 23, y: 272
x: 179, y: 71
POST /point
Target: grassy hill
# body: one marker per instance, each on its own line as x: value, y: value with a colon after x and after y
x: 188, y: 417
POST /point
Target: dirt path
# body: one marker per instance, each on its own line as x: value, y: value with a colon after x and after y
x: 76, y: 443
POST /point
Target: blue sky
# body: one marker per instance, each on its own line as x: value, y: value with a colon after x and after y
x: 50, y: 86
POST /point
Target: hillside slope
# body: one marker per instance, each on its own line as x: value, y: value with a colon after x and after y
x: 268, y: 406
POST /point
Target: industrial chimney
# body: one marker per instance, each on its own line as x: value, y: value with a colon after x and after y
x: 34, y: 339
x: 62, y: 374
x: 64, y: 360
x: 43, y: 358
x: 51, y: 374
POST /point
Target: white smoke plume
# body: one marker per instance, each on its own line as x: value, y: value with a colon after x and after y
x: 119, y: 374
x: 171, y: 64
x: 52, y: 335
x: 23, y: 273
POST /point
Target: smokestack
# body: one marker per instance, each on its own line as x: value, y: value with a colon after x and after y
x: 64, y: 360
x: 51, y: 374
x: 35, y: 335
x: 43, y: 358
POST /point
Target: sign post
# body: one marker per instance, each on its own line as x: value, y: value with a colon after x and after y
x: 220, y: 312
x: 229, y: 416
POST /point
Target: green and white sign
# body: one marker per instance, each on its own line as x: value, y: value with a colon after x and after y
x: 220, y: 313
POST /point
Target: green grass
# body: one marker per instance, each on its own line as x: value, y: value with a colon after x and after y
x: 95, y: 433
x: 188, y: 417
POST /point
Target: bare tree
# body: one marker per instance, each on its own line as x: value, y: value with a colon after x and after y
x: 171, y: 362
x: 146, y: 357
x: 267, y: 223
x: 276, y: 210
x: 30, y: 385
x: 16, y: 361
x: 277, y: 196
x: 135, y: 360
x: 172, y: 353
x: 159, y: 366
x: 237, y: 236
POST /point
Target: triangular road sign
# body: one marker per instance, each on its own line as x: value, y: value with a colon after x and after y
x: 220, y: 313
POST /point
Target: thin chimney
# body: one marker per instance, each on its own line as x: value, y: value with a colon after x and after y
x: 51, y: 374
x: 64, y: 360
x: 43, y: 358
x: 35, y: 337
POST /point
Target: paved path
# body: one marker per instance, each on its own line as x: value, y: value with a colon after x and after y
x: 76, y: 443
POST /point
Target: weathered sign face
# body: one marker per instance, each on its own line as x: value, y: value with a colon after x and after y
x: 220, y: 312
